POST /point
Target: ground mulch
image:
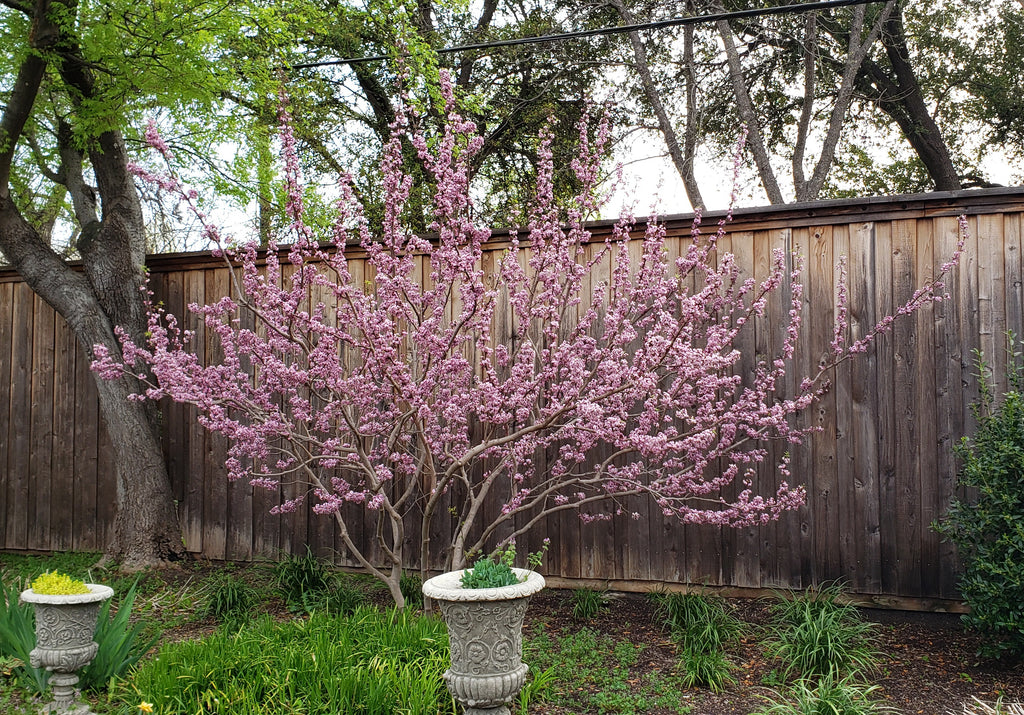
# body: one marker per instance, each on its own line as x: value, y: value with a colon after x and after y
x: 929, y: 664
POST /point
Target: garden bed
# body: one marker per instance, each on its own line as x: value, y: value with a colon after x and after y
x: 620, y: 659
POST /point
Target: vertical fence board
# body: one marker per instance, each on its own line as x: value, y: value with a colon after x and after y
x: 949, y: 394
x: 19, y: 430
x: 88, y: 536
x: 193, y: 513
x: 62, y: 457
x: 908, y: 430
x: 6, y: 349
x: 864, y: 394
x: 824, y: 497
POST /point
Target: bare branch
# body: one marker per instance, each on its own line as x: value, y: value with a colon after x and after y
x: 682, y: 160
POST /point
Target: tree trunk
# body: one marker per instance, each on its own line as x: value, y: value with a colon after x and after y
x: 107, y: 293
x: 899, y: 95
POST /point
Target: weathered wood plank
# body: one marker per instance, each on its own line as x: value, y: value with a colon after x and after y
x: 193, y: 510
x: 949, y: 394
x: 41, y: 422
x: 862, y: 444
x: 88, y: 534
x: 923, y: 483
x: 824, y: 497
x: 62, y: 457
x: 6, y: 348
x: 20, y: 431
x: 886, y: 420
x: 908, y: 431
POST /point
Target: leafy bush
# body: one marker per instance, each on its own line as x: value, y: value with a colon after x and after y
x: 828, y: 696
x: 586, y: 602
x: 988, y: 527
x: 819, y: 636
x: 120, y: 642
x: 372, y: 662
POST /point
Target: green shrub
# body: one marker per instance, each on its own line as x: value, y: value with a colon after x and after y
x: 586, y: 602
x: 817, y: 635
x: 829, y: 696
x: 988, y: 526
x: 303, y: 581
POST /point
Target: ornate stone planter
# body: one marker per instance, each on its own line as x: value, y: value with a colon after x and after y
x: 485, y: 629
x: 64, y: 645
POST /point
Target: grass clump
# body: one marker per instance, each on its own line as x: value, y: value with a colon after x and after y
x: 817, y: 635
x: 368, y: 662
x: 229, y: 600
x: 308, y: 585
x: 826, y: 696
x: 586, y: 602
x: 703, y: 625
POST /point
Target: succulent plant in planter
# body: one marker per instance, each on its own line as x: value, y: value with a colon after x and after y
x: 484, y: 608
x: 66, y: 613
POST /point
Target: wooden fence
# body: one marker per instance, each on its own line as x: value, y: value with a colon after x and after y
x: 877, y: 474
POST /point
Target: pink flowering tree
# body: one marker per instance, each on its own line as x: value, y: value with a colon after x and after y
x: 433, y: 388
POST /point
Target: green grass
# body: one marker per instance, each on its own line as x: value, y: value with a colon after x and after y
x: 594, y: 672
x: 370, y: 662
x: 20, y: 569
x: 827, y: 696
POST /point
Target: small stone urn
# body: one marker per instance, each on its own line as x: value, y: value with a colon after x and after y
x: 64, y: 629
x: 485, y: 629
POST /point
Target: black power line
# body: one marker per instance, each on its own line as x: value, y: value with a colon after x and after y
x: 617, y: 30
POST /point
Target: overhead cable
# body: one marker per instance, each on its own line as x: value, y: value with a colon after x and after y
x: 615, y: 30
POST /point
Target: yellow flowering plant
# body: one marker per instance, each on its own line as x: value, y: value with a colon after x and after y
x: 54, y: 583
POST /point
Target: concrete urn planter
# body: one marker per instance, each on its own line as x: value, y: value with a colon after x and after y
x: 485, y: 629
x: 64, y: 629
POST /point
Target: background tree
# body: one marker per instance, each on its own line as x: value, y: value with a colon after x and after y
x: 74, y: 78
x: 931, y: 96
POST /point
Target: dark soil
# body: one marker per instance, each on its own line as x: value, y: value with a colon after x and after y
x: 928, y: 667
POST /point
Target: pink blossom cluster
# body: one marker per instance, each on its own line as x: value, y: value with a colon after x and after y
x: 416, y: 379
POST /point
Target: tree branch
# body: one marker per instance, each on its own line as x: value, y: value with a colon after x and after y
x: 683, y: 161
x: 745, y: 107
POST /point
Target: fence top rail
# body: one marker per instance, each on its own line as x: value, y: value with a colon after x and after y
x: 762, y: 218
